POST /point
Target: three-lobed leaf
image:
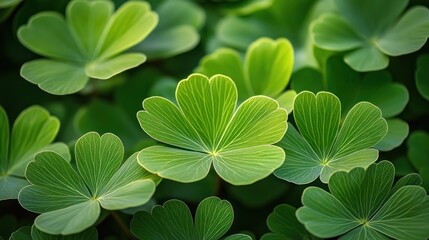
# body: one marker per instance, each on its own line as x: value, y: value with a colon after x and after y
x: 324, y: 144
x: 207, y: 128
x: 85, y: 44
x: 69, y: 199
x: 363, y: 204
x: 33, y: 131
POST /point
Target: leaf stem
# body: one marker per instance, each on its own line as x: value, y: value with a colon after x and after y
x: 122, y: 225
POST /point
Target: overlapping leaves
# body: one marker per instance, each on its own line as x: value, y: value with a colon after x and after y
x: 69, y: 200
x: 323, y: 144
x: 266, y: 69
x: 206, y: 128
x: 33, y: 131
x: 418, y: 152
x: 362, y: 204
x: 87, y: 44
x: 351, y: 87
x: 173, y: 220
x: 371, y: 32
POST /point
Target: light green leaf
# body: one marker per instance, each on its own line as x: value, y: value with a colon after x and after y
x: 248, y: 165
x: 177, y: 164
x: 238, y: 236
x: 87, y: 22
x: 277, y: 58
x: 408, y: 35
x: 366, y: 59
x: 84, y: 45
x: 49, y: 76
x: 129, y: 25
x: 205, y: 122
x: 283, y: 224
x: 267, y: 67
x: 32, y: 132
x: 332, y: 32
x: 361, y: 204
x: 68, y: 220
x: 422, y: 76
x: 227, y: 62
x: 324, y: 146
x: 173, y: 220
x: 286, y: 100
x: 69, y: 200
x: 105, y: 69
x: 47, y: 34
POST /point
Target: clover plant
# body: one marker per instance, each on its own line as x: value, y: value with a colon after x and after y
x: 207, y: 139
x: 86, y: 44
x: 34, y: 130
x: 369, y: 32
x: 351, y: 87
x: 173, y: 220
x: 364, y: 204
x: 324, y: 144
x: 69, y: 201
x: 206, y: 127
x: 266, y: 69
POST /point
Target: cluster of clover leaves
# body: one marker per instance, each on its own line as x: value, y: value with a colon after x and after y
x: 223, y: 118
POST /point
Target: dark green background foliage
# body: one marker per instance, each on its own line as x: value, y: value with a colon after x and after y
x: 318, y: 131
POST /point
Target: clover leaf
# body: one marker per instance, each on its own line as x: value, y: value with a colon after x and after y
x: 33, y: 131
x: 69, y: 200
x: 206, y: 128
x: 173, y: 220
x: 352, y: 87
x: 372, y: 32
x: 177, y: 31
x: 362, y: 204
x: 283, y: 224
x: 32, y: 233
x: 422, y: 76
x: 86, y: 44
x: 324, y: 144
x: 266, y: 70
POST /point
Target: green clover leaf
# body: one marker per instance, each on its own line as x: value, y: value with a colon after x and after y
x: 352, y: 87
x: 206, y: 128
x: 371, y: 32
x: 266, y: 69
x: 322, y: 147
x: 87, y: 44
x: 69, y: 200
x: 33, y: 131
x: 177, y: 31
x: 362, y: 204
x: 173, y: 220
x: 422, y: 76
x: 32, y: 233
x: 283, y: 225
